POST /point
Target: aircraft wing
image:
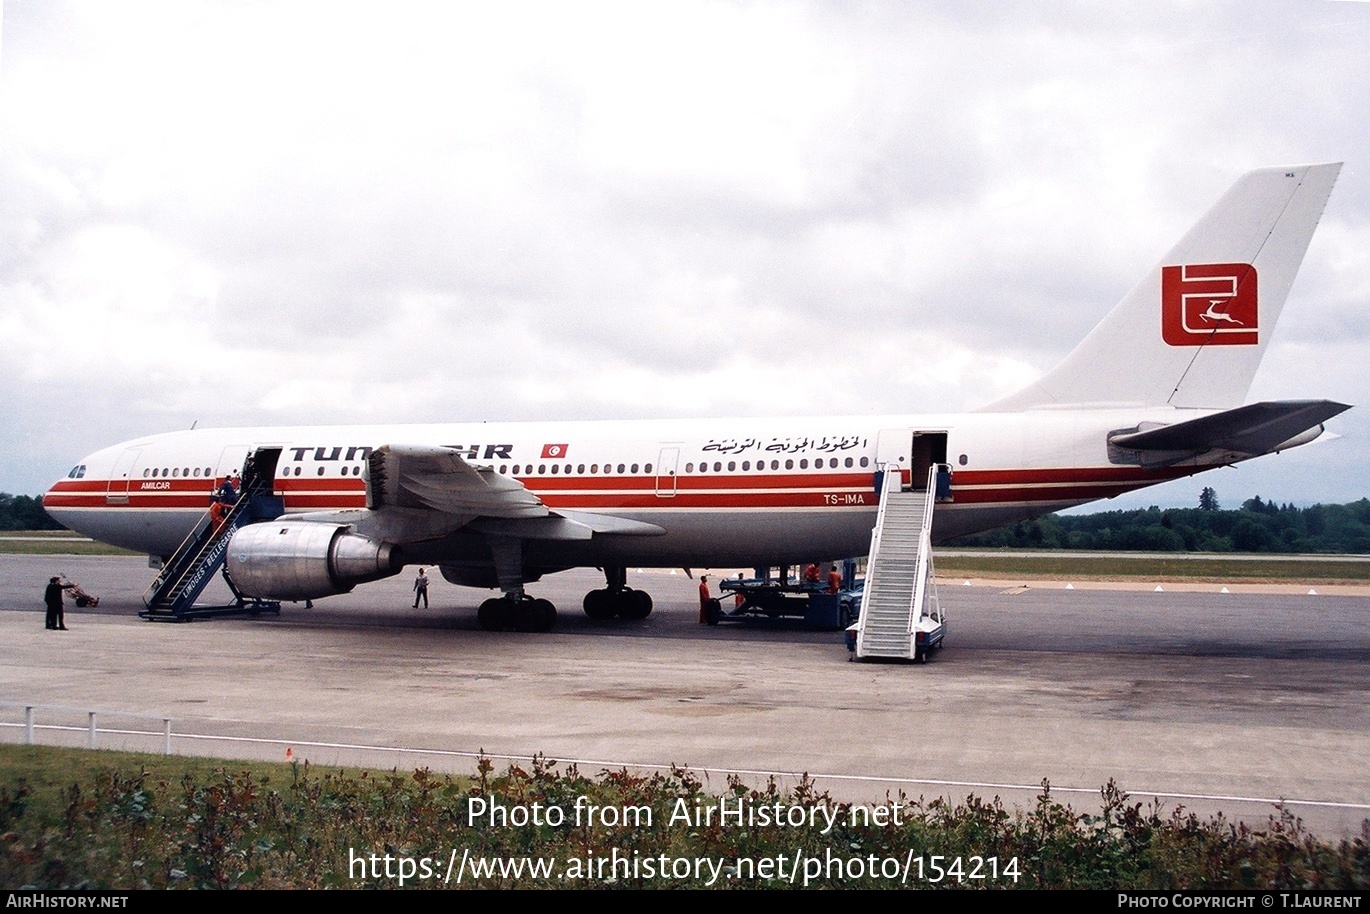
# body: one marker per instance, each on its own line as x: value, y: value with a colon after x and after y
x: 440, y: 479
x: 426, y: 478
x: 1246, y: 431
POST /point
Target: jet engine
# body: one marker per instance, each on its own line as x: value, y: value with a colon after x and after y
x: 286, y: 560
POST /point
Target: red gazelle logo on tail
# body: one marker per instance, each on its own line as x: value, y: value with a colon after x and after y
x: 1209, y: 304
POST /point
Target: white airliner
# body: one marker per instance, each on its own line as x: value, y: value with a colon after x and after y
x: 1153, y: 393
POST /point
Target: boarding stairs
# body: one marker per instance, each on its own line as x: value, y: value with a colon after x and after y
x: 901, y: 616
x: 172, y: 596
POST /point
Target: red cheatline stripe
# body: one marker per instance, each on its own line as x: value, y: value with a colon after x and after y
x: 1069, y: 475
x: 738, y: 480
x: 713, y: 500
x: 606, y: 492
x: 700, y: 481
x: 80, y: 485
x: 1055, y: 493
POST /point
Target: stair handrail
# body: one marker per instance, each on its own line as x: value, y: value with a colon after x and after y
x: 924, y: 569
x: 170, y: 564
x: 892, y: 482
x: 251, y: 487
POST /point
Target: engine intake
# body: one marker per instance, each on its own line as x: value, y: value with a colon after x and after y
x: 301, y: 561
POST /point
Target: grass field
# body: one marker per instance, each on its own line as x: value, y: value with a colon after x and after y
x: 1191, y: 567
x: 53, y: 542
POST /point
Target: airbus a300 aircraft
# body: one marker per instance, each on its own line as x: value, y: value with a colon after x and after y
x: 1152, y: 394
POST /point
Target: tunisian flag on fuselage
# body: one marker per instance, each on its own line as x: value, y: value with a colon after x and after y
x: 553, y: 451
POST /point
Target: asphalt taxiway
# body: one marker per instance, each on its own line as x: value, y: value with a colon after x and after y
x: 1210, y: 701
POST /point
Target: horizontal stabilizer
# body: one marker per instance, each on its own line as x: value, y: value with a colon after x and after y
x: 1247, y: 431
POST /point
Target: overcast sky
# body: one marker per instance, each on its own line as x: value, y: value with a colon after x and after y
x: 243, y: 213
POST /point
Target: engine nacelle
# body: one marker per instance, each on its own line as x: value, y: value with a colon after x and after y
x: 281, y: 560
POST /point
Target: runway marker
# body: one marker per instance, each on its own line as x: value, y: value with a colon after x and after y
x: 1224, y: 590
x: 1312, y: 592
x: 1070, y: 587
x: 1159, y: 589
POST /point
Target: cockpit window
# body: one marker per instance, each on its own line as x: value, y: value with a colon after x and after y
x: 77, y: 472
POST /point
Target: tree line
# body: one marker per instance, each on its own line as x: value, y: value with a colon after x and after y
x: 24, y: 512
x: 1257, y: 526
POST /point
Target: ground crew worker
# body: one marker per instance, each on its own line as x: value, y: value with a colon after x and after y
x: 421, y: 589
x: 52, y: 596
x: 218, y: 513
x: 834, y: 580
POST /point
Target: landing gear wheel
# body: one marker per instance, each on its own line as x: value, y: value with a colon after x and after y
x: 633, y: 604
x: 493, y: 615
x: 536, y: 616
x: 598, y: 605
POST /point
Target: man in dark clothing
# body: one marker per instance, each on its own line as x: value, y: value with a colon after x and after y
x: 53, y: 598
x: 421, y: 589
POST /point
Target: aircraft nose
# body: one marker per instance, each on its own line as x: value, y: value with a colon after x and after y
x: 67, y: 491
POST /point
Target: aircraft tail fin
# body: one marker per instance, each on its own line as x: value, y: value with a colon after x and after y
x: 1192, y: 332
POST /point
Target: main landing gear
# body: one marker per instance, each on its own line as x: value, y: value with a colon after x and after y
x: 617, y: 599
x: 517, y: 612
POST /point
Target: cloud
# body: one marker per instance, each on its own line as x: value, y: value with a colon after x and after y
x: 239, y: 213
